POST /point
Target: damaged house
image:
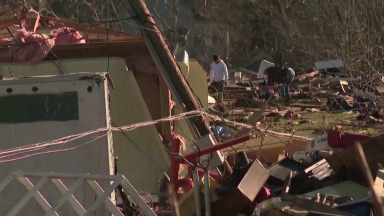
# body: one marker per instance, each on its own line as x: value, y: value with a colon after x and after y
x: 135, y: 93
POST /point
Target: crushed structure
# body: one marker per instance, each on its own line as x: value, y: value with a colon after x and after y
x: 131, y: 114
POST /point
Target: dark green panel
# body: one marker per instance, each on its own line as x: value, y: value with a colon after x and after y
x: 39, y: 107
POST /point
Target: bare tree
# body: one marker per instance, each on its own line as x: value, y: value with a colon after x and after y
x: 319, y: 30
x: 295, y: 32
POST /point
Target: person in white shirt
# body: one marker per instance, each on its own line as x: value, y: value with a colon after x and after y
x: 218, y: 76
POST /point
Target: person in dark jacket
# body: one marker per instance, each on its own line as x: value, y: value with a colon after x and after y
x: 282, y: 75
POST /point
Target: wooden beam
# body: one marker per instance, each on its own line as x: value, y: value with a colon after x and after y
x: 166, y: 62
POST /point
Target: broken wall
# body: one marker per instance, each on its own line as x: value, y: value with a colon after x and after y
x: 154, y: 90
x: 127, y: 107
x: 45, y: 109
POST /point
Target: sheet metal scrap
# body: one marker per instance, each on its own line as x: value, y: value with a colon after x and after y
x: 331, y: 200
x: 297, y: 205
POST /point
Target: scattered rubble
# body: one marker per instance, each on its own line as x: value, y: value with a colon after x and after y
x: 326, y: 160
x: 333, y: 108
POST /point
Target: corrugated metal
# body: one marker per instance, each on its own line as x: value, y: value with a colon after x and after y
x: 94, y: 157
x: 329, y: 64
x: 127, y: 107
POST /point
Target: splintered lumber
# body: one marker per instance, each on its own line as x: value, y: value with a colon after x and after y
x: 307, y: 76
x: 254, y: 118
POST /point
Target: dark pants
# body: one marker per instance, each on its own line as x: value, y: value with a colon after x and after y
x: 218, y: 88
x: 288, y: 80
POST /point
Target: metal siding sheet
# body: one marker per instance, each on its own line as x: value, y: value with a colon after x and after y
x: 127, y: 107
x: 197, y: 80
x: 88, y: 158
x: 135, y: 165
x: 329, y: 64
x: 39, y: 107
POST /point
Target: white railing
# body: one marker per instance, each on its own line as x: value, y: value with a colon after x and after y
x: 91, y: 180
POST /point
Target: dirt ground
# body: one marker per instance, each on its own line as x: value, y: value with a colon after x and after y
x: 320, y: 122
x: 310, y: 124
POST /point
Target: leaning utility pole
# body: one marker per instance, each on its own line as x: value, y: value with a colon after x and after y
x: 168, y: 66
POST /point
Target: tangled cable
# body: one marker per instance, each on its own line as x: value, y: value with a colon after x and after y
x: 191, y: 114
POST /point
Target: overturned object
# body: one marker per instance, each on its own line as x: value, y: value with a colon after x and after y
x: 30, y: 47
x: 240, y: 191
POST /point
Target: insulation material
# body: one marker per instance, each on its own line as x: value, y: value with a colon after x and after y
x: 64, y: 36
x: 30, y: 47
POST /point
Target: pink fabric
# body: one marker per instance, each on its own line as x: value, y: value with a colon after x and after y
x: 35, y: 48
x: 65, y: 36
x: 186, y: 184
x: 267, y: 89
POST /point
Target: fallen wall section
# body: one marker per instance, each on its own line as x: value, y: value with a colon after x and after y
x: 40, y: 109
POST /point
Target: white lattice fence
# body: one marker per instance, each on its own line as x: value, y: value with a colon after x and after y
x: 67, y: 192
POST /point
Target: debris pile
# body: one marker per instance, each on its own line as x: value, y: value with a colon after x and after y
x: 321, y: 160
x: 325, y: 177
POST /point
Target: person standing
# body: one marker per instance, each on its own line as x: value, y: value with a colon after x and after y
x: 283, y: 75
x: 219, y: 76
